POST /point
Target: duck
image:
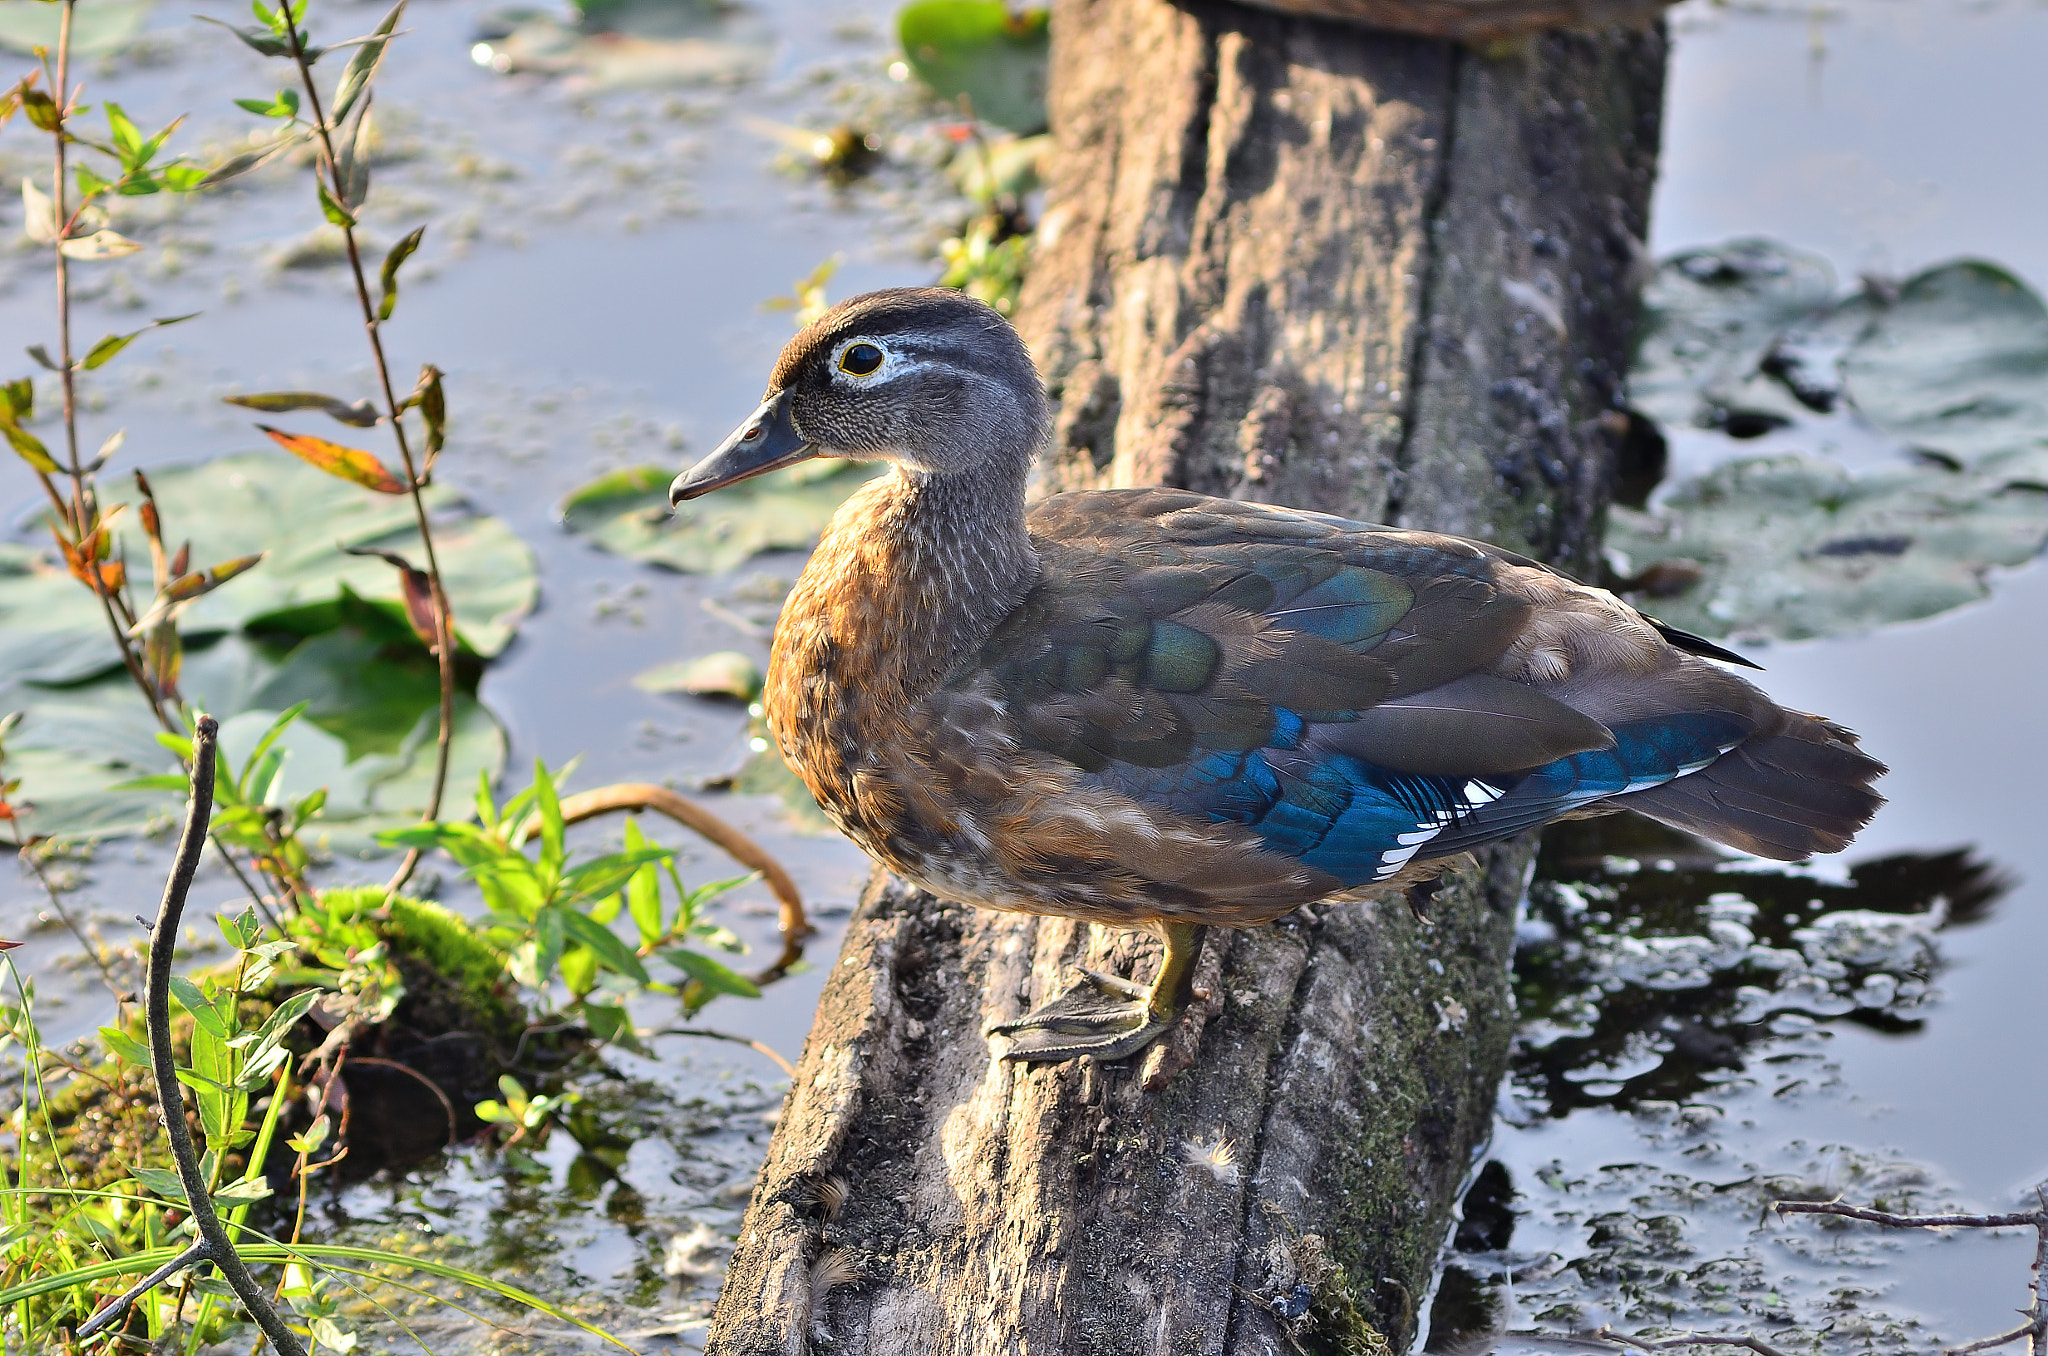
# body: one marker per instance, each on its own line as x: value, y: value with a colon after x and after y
x: 1161, y: 710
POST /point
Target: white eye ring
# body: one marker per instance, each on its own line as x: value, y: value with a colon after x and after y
x: 861, y: 359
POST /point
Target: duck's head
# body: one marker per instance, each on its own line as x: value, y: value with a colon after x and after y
x: 925, y: 377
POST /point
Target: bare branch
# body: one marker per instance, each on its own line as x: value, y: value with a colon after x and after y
x: 1987, y: 1343
x: 2032, y: 1219
x: 112, y: 1313
x: 163, y: 945
x: 2036, y: 1325
x: 1755, y: 1344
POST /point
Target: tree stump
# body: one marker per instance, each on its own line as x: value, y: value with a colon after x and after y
x: 1296, y: 261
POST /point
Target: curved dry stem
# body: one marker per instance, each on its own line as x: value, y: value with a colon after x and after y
x: 631, y: 796
x: 214, y: 1245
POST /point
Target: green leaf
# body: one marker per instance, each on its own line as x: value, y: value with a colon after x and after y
x: 30, y: 448
x: 126, y: 1046
x: 270, y: 736
x: 355, y: 413
x: 284, y: 104
x: 981, y: 49
x: 578, y: 967
x: 615, y: 955
x: 627, y: 512
x: 715, y: 978
x: 362, y: 67
x: 643, y: 891
x: 100, y: 354
x: 352, y: 160
x: 551, y: 827
x: 276, y: 1026
x: 334, y: 211
x: 127, y: 136
x: 604, y: 875
x: 200, y: 1006
x: 260, y: 40
x: 239, y: 164
x: 388, y: 275
x: 162, y: 1181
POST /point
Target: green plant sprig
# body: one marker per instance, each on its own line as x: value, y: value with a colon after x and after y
x: 76, y: 229
x: 341, y: 130
x: 554, y: 916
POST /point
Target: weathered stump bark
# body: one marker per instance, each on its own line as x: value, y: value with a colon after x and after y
x: 1288, y: 260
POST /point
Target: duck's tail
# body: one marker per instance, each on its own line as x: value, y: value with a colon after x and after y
x: 1786, y: 794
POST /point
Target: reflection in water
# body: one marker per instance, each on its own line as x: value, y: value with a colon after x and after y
x: 1648, y: 960
x: 1659, y: 977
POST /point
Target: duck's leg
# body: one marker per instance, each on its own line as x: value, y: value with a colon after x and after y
x: 1108, y: 1018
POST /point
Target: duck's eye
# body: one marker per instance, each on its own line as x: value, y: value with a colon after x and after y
x: 860, y: 360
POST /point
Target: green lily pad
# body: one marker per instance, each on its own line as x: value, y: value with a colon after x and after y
x: 1710, y: 318
x: 1793, y: 546
x: 52, y: 629
x: 368, y: 736
x: 1958, y: 363
x: 631, y: 43
x: 994, y: 55
x: 627, y: 513
x: 1939, y: 383
x: 96, y: 28
x: 726, y: 673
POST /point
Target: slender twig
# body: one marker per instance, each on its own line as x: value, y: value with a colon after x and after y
x: 708, y: 1034
x: 444, y: 616
x: 214, y: 1244
x: 1755, y: 1344
x: 1987, y: 1343
x: 2029, y: 1218
x: 27, y: 853
x: 2036, y: 1325
x: 629, y: 796
x: 111, y: 1312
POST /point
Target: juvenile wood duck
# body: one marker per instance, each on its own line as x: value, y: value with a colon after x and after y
x: 1152, y: 708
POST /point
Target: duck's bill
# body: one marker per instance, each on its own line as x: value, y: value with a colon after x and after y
x: 767, y: 442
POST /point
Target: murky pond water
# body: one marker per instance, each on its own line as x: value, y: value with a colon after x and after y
x: 592, y: 283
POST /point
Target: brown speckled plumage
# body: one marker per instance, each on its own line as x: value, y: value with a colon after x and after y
x: 1154, y: 707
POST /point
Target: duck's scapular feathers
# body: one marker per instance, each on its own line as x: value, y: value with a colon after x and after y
x: 1149, y: 704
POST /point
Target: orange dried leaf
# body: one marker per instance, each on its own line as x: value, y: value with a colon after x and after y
x: 349, y: 463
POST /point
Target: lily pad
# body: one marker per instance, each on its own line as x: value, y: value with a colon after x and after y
x: 627, y: 512
x: 631, y: 43
x: 983, y: 49
x: 52, y: 629
x: 1793, y: 546
x: 1958, y: 363
x: 1710, y: 318
x: 100, y: 27
x: 368, y: 736
x: 1939, y: 386
x: 727, y: 673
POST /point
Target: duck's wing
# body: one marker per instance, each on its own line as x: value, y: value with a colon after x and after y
x: 1354, y: 696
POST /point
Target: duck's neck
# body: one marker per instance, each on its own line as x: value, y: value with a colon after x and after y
x: 913, y: 575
